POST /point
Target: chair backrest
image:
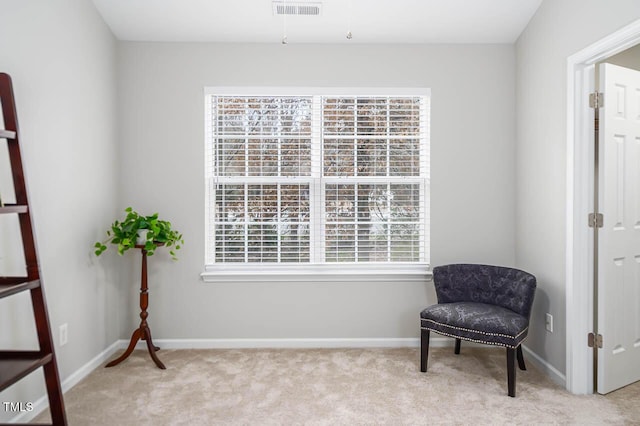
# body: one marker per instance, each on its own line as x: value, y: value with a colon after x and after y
x: 495, y: 285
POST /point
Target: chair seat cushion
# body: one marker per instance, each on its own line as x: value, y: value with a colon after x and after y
x: 476, y: 322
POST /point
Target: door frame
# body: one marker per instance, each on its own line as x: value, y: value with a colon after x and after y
x: 580, y: 176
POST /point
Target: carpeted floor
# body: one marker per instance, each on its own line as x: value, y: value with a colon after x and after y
x: 332, y: 387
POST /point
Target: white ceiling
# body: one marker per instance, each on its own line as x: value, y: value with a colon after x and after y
x: 372, y: 21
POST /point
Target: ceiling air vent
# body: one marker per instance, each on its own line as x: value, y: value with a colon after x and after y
x: 296, y: 8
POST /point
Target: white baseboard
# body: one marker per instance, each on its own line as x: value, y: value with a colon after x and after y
x: 42, y: 403
x: 546, y: 368
x: 84, y: 371
x: 410, y: 342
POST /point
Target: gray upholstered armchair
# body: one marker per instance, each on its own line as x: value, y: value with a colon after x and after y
x: 484, y: 304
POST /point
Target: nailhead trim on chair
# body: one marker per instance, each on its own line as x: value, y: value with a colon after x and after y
x: 472, y: 340
x: 473, y: 331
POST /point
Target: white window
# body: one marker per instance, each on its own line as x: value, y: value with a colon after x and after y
x: 332, y: 177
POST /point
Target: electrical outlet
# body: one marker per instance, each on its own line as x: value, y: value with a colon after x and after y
x: 64, y: 334
x: 549, y: 323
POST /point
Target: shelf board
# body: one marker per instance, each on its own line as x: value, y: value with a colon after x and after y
x: 13, y: 208
x: 7, y: 134
x: 13, y: 285
x: 14, y: 365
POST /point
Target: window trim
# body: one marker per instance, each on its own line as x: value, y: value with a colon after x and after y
x: 317, y: 272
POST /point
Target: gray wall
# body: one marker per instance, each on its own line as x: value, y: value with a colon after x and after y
x: 559, y: 29
x: 629, y: 58
x: 161, y: 166
x: 61, y: 57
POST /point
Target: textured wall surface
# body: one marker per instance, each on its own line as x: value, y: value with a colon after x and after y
x: 61, y: 57
x: 559, y: 29
x: 472, y: 183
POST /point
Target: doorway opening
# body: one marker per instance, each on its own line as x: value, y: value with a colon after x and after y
x: 581, y: 78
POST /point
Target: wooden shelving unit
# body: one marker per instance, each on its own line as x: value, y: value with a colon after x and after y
x: 7, y: 134
x: 16, y: 364
x: 8, y: 208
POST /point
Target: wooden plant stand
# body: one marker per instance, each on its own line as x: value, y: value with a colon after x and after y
x: 142, y: 332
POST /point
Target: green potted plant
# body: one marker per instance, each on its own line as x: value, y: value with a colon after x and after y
x: 138, y: 230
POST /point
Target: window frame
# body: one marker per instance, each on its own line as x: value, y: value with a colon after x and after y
x: 318, y: 272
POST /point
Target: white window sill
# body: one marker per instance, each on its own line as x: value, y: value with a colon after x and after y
x: 400, y: 272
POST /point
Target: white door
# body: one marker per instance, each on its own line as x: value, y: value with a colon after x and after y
x: 619, y: 238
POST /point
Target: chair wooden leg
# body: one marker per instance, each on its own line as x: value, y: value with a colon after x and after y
x: 424, y: 349
x: 521, y: 358
x: 457, y: 350
x: 511, y: 371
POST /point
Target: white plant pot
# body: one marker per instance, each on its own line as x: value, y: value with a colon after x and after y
x: 142, y: 237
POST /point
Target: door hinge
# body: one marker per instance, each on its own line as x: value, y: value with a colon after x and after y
x: 594, y: 340
x: 596, y: 220
x: 596, y: 100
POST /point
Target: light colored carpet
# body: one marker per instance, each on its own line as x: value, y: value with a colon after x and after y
x: 332, y: 386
